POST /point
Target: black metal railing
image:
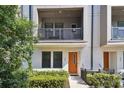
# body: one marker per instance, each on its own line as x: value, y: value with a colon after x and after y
x: 117, y: 33
x: 60, y: 34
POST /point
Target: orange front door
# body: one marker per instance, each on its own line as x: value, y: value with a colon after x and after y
x: 106, y: 60
x: 73, y: 62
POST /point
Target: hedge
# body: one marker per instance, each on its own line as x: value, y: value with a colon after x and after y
x: 51, y: 73
x: 103, y: 80
x: 48, y: 79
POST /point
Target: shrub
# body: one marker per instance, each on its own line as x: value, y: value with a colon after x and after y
x: 103, y: 80
x: 92, y: 81
x: 21, y: 77
x: 48, y: 79
x: 18, y: 79
x: 116, y: 80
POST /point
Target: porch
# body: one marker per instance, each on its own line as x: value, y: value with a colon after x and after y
x: 67, y: 59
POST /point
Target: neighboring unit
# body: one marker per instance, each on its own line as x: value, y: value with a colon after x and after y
x: 112, y: 37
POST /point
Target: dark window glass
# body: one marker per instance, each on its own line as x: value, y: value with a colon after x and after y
x: 46, y: 59
x: 74, y: 26
x: 48, y: 25
x: 120, y: 23
x: 57, y: 59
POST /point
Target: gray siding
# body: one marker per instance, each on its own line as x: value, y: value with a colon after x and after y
x: 103, y: 25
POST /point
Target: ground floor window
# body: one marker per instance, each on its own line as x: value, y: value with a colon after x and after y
x: 52, y: 59
x: 46, y: 59
x: 57, y: 59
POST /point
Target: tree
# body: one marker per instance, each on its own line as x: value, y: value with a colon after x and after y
x: 15, y: 44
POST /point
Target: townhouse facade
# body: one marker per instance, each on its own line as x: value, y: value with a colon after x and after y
x: 71, y: 37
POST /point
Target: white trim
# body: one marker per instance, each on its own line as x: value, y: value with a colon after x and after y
x: 109, y: 59
x: 51, y: 59
x: 62, y: 59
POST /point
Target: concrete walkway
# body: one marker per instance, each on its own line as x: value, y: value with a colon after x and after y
x: 77, y: 82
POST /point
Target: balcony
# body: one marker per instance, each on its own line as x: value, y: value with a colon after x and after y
x: 60, y: 34
x: 117, y: 22
x: 117, y: 33
x: 60, y: 28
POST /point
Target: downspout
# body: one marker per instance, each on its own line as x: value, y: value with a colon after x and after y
x: 21, y: 11
x: 92, y: 24
x: 30, y: 12
x: 30, y: 19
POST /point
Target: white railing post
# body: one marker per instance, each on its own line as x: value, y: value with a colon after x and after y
x: 54, y: 31
x: 60, y: 31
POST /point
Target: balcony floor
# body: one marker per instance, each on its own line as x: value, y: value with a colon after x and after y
x: 113, y: 45
x: 116, y: 41
x: 61, y: 43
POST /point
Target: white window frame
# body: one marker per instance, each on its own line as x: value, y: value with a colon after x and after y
x: 51, y: 53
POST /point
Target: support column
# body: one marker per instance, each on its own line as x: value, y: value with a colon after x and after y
x: 109, y: 21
